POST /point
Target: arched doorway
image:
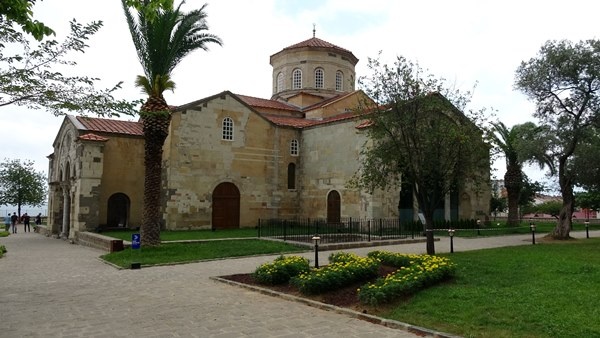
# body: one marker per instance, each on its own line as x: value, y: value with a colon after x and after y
x: 117, y: 214
x: 226, y: 206
x: 334, y: 203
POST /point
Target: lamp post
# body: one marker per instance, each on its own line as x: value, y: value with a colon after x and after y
x: 532, y: 227
x: 478, y: 226
x: 316, y: 238
x: 451, y: 234
x: 587, y: 228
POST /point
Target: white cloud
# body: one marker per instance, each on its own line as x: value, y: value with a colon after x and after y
x: 463, y: 41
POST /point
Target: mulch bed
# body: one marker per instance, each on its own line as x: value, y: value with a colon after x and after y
x: 346, y: 297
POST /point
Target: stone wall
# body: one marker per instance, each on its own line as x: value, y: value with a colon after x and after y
x: 198, y: 159
x: 109, y: 244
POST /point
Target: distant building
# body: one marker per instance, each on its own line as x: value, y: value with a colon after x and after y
x: 231, y: 159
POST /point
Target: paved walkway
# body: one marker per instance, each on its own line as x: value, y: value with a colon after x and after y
x: 50, y: 288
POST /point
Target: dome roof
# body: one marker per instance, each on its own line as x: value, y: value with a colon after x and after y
x: 317, y: 43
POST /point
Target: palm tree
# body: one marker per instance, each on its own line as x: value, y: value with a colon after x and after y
x: 161, y: 41
x: 507, y: 142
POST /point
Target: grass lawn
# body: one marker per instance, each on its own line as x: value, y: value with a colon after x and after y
x: 190, y: 235
x: 190, y: 252
x: 545, y: 290
x: 500, y: 228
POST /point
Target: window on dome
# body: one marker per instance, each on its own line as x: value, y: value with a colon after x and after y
x: 339, y: 81
x: 280, y: 87
x: 319, y: 78
x: 297, y: 79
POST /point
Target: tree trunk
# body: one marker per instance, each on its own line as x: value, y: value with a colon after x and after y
x: 513, y: 179
x: 156, y: 128
x: 564, y: 225
x: 429, y: 232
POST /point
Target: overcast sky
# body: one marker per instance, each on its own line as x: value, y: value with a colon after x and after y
x: 467, y: 42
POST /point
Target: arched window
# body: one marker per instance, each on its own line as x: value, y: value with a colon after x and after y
x: 319, y: 78
x: 228, y: 129
x: 352, y: 82
x: 297, y: 79
x: 294, y: 148
x: 291, y: 176
x: 280, y: 87
x: 339, y: 81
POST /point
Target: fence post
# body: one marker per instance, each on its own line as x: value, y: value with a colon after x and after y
x: 349, y: 236
x: 369, y: 230
x: 259, y: 228
x: 284, y: 231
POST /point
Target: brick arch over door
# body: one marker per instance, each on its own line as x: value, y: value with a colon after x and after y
x: 334, y: 206
x: 226, y: 206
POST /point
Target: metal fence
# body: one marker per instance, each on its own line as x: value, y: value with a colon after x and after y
x: 355, y: 229
x: 347, y: 230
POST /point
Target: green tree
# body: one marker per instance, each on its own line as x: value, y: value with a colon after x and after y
x: 552, y: 208
x: 519, y: 144
x: 21, y: 13
x: 497, y: 204
x: 586, y: 162
x: 506, y: 141
x: 30, y: 77
x: 563, y: 80
x: 161, y: 44
x: 21, y: 185
x: 589, y: 200
x: 418, y: 136
x: 528, y: 192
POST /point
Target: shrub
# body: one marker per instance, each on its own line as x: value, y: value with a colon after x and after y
x: 423, y: 271
x: 281, y: 270
x: 392, y: 259
x: 2, y: 250
x: 344, y: 270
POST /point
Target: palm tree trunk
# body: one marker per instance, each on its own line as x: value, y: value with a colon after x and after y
x: 155, y: 119
x: 513, y: 179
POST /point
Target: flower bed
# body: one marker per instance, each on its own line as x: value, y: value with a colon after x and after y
x: 412, y: 273
x: 421, y: 271
x: 281, y: 270
x: 344, y: 269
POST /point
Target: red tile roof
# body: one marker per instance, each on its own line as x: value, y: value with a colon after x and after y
x: 111, y: 126
x: 93, y: 137
x: 265, y: 103
x: 316, y: 42
x: 300, y: 123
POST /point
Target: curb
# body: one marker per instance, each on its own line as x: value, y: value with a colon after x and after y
x: 393, y: 324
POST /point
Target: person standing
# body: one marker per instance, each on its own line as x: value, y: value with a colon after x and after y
x: 13, y: 220
x: 26, y: 226
x: 38, y: 219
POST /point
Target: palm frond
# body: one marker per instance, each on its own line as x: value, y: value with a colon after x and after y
x: 162, y: 43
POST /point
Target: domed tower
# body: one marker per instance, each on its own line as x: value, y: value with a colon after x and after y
x: 314, y: 67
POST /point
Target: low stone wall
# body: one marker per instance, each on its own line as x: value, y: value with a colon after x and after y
x: 99, y: 241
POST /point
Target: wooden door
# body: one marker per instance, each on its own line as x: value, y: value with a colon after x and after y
x: 333, y: 207
x: 226, y: 206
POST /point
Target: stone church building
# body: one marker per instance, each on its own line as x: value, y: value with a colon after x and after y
x: 232, y: 159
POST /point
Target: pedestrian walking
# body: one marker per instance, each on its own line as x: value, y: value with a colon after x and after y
x: 13, y: 221
x: 26, y: 226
